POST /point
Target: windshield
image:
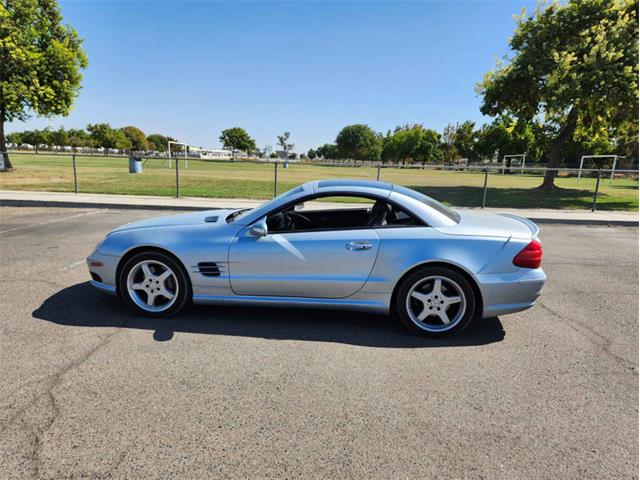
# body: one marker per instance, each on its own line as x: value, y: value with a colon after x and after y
x: 239, y: 214
x: 437, y: 206
x: 231, y: 217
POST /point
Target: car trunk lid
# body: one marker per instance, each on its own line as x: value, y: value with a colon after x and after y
x: 486, y: 224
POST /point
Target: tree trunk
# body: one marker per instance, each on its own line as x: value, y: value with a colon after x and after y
x: 3, y: 145
x: 555, y: 155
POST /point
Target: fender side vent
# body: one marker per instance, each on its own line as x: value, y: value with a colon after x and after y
x: 212, y: 219
x: 209, y: 269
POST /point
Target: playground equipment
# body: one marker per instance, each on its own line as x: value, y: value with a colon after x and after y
x: 186, y: 147
x: 521, y: 156
x: 615, y: 161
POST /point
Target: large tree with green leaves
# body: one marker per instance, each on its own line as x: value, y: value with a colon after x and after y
x: 411, y: 144
x: 59, y: 137
x: 78, y: 137
x: 103, y: 135
x: 465, y: 139
x: 17, y: 138
x: 448, y: 144
x: 505, y: 136
x: 575, y: 65
x: 40, y: 62
x: 159, y: 142
x: 136, y: 138
x: 37, y: 137
x: 237, y: 138
x: 359, y: 142
x: 327, y: 151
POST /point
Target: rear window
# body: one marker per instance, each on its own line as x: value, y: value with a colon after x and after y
x: 437, y: 206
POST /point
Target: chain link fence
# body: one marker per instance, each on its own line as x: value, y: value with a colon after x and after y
x: 489, y: 186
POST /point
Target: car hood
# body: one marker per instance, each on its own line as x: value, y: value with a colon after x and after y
x: 212, y: 217
x: 473, y: 223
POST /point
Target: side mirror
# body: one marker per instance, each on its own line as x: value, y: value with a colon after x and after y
x: 259, y: 229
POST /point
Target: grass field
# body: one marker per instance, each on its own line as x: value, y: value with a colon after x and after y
x: 254, y: 180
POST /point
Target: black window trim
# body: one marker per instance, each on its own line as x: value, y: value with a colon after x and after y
x: 371, y: 196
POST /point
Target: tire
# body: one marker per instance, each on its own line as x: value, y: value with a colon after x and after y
x: 422, y: 307
x: 142, y: 277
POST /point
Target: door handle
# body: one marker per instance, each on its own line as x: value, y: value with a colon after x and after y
x: 358, y: 246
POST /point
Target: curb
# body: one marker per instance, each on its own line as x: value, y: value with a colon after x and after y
x: 126, y: 206
x: 119, y: 206
x: 575, y: 221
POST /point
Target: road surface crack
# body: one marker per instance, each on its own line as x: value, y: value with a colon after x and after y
x: 602, y: 342
x: 51, y: 382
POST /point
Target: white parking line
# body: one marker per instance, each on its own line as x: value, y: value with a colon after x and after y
x: 74, y: 264
x: 50, y: 221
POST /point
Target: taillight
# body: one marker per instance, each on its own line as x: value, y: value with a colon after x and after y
x: 530, y: 256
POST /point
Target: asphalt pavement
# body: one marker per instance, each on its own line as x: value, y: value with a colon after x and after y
x: 90, y: 391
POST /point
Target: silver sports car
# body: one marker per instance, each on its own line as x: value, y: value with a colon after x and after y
x: 335, y: 244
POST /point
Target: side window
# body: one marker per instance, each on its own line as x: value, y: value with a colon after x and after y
x: 338, y: 213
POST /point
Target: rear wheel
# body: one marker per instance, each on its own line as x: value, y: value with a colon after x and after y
x: 435, y: 302
x: 154, y: 284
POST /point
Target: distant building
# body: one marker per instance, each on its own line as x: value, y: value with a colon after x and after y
x: 214, y: 153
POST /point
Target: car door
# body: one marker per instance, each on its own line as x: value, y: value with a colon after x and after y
x: 317, y: 264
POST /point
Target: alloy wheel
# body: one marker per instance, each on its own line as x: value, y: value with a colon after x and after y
x: 436, y: 303
x: 152, y: 285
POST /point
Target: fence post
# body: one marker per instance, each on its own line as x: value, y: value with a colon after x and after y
x: 595, y: 193
x: 177, y: 178
x: 378, y: 173
x: 275, y: 179
x: 484, y: 190
x: 75, y: 175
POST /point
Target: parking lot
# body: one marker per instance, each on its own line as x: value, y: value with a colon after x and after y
x: 90, y: 391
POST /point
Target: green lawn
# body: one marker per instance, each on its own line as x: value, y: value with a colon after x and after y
x: 45, y: 172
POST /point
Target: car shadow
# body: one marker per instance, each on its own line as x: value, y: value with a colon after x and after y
x: 81, y: 305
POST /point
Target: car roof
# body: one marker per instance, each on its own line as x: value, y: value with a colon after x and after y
x: 347, y: 186
x: 350, y: 183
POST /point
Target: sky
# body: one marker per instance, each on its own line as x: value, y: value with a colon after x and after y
x: 191, y: 69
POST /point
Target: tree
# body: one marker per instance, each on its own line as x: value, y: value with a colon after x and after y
x: 449, y: 150
x: 312, y: 154
x: 283, y: 141
x: 37, y: 137
x: 465, y: 139
x: 17, y: 138
x: 359, y: 142
x: 412, y: 143
x: 40, y: 63
x: 505, y: 136
x: 106, y: 137
x: 78, y: 138
x: 627, y: 141
x: 159, y: 142
x: 237, y: 138
x: 328, y: 150
x: 575, y: 65
x: 136, y: 138
x: 59, y: 138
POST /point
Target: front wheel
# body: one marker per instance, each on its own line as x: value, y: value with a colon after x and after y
x: 435, y: 302
x: 154, y: 284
